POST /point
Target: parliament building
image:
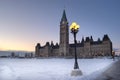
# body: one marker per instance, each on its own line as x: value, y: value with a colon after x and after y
x: 87, y: 48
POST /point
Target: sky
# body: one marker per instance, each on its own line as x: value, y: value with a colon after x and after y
x: 24, y: 23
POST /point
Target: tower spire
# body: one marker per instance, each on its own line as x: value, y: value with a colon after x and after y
x: 64, y: 18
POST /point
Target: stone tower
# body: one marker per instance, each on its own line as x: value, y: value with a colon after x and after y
x: 64, y: 36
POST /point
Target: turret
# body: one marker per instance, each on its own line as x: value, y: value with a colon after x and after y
x: 87, y: 39
x: 52, y: 44
x: 106, y: 38
x: 108, y: 45
x: 91, y: 39
x: 82, y: 40
x: 37, y: 48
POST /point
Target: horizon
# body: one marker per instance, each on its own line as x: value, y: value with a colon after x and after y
x: 22, y: 22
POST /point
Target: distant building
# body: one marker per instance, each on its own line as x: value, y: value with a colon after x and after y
x: 86, y: 48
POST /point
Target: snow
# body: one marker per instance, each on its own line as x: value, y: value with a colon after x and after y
x: 50, y: 69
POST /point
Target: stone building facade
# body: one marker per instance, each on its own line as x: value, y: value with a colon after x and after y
x: 86, y: 48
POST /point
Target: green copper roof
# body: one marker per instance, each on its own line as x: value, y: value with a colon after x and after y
x: 64, y: 16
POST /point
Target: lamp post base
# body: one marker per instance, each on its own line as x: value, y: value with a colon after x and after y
x: 76, y: 72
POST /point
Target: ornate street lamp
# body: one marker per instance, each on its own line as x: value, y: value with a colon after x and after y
x: 74, y: 29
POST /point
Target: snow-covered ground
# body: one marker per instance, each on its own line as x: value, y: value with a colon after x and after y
x: 50, y: 69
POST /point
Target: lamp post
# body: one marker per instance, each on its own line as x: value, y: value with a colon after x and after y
x: 74, y: 29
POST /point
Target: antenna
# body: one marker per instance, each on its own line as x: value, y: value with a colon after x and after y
x: 64, y: 7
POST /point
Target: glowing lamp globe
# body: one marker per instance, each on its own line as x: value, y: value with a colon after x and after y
x: 74, y: 27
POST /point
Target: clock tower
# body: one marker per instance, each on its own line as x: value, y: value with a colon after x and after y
x: 64, y: 36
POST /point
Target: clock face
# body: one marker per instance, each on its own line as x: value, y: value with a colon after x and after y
x: 63, y: 22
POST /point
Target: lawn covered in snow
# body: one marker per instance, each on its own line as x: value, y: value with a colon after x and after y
x: 50, y: 69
